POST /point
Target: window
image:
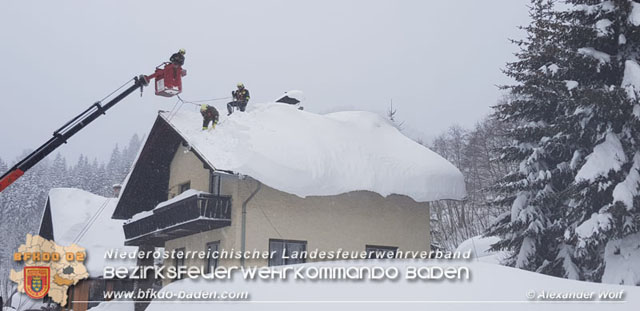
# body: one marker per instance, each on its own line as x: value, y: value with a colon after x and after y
x: 215, y: 182
x: 212, y: 263
x: 289, y: 248
x: 380, y: 252
x: 184, y: 187
x: 180, y: 253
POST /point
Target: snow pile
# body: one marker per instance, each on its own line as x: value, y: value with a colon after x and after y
x: 631, y: 78
x: 606, y: 6
x: 553, y: 69
x: 490, y: 287
x: 308, y: 154
x: 83, y: 218
x: 597, y: 223
x: 571, y: 84
x: 631, y: 82
x: 606, y: 156
x: 602, y: 27
x: 622, y: 259
x: 628, y: 188
x: 631, y: 74
x: 518, y: 205
x: 139, y: 216
x: 481, y: 249
x: 527, y: 249
x: 179, y: 197
x: 634, y: 17
x: 602, y: 57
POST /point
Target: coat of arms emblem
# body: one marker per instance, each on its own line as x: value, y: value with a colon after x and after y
x: 36, y: 281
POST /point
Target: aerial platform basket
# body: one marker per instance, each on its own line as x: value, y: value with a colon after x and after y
x: 168, y: 78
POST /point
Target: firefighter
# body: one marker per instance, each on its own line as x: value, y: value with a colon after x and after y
x: 209, y: 114
x: 240, y: 99
x: 178, y: 58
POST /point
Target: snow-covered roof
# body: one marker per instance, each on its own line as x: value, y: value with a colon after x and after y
x: 309, y: 154
x: 82, y: 218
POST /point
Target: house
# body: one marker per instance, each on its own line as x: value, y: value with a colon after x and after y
x: 277, y: 178
x: 74, y: 216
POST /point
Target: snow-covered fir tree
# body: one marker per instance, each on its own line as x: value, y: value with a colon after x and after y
x: 58, y: 171
x: 530, y: 228
x: 114, y: 167
x: 576, y: 104
x: 21, y: 204
x: 603, y: 39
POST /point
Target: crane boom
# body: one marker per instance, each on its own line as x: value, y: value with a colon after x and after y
x: 67, y: 131
x: 168, y: 78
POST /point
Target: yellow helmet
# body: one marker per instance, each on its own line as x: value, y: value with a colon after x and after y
x: 203, y: 107
x: 182, y: 51
x: 240, y: 85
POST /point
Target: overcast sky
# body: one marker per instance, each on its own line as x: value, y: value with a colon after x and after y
x: 438, y: 60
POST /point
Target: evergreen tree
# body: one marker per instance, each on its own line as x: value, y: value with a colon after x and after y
x: 99, y: 177
x: 23, y: 202
x: 79, y: 173
x: 114, y: 167
x: 132, y: 150
x: 603, y: 39
x: 530, y: 227
x: 58, y: 172
x: 129, y: 155
x: 576, y: 141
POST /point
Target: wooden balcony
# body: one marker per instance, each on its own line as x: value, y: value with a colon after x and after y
x: 197, y: 213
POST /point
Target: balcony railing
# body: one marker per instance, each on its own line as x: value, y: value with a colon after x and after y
x: 197, y: 213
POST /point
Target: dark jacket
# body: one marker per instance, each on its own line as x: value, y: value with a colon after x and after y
x: 177, y: 59
x: 211, y: 114
x: 241, y: 95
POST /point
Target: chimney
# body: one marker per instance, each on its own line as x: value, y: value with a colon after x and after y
x: 116, y: 190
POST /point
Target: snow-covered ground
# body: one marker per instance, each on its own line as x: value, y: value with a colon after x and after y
x: 480, y: 249
x: 306, y: 154
x: 623, y: 261
x: 117, y: 306
x: 491, y: 287
x: 82, y: 218
x: 621, y: 256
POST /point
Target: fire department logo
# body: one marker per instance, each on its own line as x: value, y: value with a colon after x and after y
x: 49, y: 269
x: 36, y: 281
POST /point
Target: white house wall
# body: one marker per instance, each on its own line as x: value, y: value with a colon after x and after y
x: 347, y: 221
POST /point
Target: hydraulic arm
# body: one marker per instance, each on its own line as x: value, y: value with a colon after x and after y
x: 168, y: 83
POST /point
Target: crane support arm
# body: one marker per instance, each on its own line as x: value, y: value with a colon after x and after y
x: 67, y: 131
